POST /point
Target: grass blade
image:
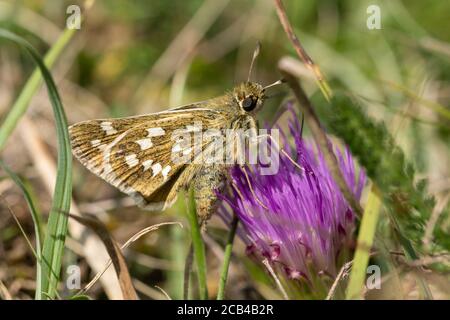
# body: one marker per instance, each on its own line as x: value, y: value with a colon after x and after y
x: 199, y: 247
x: 115, y: 253
x: 227, y: 259
x: 31, y: 87
x: 53, y: 246
x: 365, y: 240
x: 35, y: 215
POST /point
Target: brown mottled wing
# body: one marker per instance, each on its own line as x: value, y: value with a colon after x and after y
x: 134, y: 154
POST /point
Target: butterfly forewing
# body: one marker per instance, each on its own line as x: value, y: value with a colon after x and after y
x: 135, y: 154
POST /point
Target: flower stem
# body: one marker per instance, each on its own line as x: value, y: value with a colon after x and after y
x: 227, y: 259
x: 365, y: 239
x: 199, y: 247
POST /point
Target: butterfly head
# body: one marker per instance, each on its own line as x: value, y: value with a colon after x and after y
x: 249, y: 96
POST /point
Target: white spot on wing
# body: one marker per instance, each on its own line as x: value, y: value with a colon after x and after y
x: 131, y: 160
x: 147, y: 164
x: 187, y: 151
x: 145, y: 143
x: 165, y: 172
x: 155, y: 132
x: 156, y: 168
x: 193, y: 128
x: 107, y: 127
x: 176, y: 148
x: 96, y: 143
x: 108, y: 170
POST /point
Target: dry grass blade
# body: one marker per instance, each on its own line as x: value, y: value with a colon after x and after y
x: 443, y: 258
x: 275, y: 277
x: 4, y: 293
x: 148, y: 291
x: 114, y: 252
x: 130, y: 241
x: 343, y: 273
x: 163, y: 292
x: 301, y: 51
x: 147, y: 230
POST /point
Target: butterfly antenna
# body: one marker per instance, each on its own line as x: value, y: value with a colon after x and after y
x: 255, y: 55
x: 276, y: 83
x: 252, y: 190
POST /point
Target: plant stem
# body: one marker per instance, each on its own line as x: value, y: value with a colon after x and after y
x: 199, y: 247
x: 227, y: 259
x: 301, y: 52
x: 365, y: 239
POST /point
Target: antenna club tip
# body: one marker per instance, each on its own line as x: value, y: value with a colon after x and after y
x: 257, y: 48
x: 255, y: 55
x: 278, y: 82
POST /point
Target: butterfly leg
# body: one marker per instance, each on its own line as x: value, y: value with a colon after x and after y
x: 208, y: 181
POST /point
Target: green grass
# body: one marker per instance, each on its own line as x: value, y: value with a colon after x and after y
x: 365, y: 240
x: 198, y: 246
x: 56, y: 231
x: 36, y: 217
x: 21, y: 104
x: 227, y: 259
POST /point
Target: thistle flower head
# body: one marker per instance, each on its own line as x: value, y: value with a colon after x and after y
x: 297, y: 219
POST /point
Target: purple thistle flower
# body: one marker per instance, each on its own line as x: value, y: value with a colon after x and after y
x: 308, y: 222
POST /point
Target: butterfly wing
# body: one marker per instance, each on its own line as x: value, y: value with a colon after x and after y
x: 134, y: 154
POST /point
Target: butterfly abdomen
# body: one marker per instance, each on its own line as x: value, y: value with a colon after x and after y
x: 209, y: 181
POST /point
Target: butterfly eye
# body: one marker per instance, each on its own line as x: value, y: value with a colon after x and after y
x: 249, y: 103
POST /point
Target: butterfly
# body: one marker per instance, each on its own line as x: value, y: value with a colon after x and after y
x: 136, y: 154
